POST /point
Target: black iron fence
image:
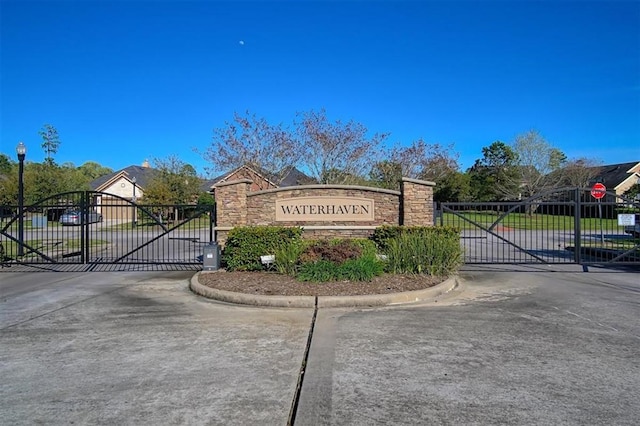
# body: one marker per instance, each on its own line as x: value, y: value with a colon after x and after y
x: 93, y: 228
x: 97, y: 230
x: 560, y: 226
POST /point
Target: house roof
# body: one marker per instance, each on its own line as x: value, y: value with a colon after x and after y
x: 291, y: 177
x: 142, y: 174
x: 613, y: 175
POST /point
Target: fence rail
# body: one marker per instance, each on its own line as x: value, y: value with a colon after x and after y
x: 560, y: 226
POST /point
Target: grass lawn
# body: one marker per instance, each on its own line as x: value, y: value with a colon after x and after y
x: 526, y: 222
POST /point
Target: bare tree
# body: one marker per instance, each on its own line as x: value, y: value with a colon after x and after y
x: 336, y: 152
x: 250, y: 140
x: 579, y: 172
x: 439, y: 162
x: 386, y: 174
x: 535, y: 160
x: 411, y: 159
x: 420, y: 160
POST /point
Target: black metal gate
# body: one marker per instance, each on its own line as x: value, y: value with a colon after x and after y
x: 91, y: 230
x: 563, y: 225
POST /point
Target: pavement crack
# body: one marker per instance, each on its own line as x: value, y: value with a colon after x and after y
x: 296, y: 396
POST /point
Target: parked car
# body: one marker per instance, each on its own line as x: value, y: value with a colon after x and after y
x: 75, y: 217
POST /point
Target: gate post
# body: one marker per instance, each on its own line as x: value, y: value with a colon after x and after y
x: 577, y: 231
x: 213, y: 221
x: 231, y: 206
x: 84, y: 205
x: 416, y: 202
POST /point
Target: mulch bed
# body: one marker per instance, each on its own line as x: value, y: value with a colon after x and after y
x: 271, y: 283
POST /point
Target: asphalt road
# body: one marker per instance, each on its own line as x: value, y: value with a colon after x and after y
x: 106, y: 244
x: 527, y: 346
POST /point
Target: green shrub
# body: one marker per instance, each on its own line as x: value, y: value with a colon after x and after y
x: 354, y: 254
x: 245, y: 245
x: 368, y: 247
x: 338, y: 259
x: 288, y: 257
x: 383, y: 234
x: 364, y: 268
x: 336, y: 251
x: 320, y: 271
x: 433, y: 251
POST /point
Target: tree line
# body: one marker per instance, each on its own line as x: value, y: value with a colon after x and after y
x: 42, y: 180
x: 172, y: 181
x: 330, y: 152
x: 337, y: 152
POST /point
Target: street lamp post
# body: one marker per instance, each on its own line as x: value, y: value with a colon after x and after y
x: 134, y: 218
x: 21, y: 149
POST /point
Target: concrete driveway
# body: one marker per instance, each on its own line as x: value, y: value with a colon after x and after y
x: 527, y: 346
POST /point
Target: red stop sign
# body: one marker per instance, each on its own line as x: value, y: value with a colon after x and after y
x: 598, y: 191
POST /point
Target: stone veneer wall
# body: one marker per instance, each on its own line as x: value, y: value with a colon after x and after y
x: 238, y: 206
x: 417, y: 202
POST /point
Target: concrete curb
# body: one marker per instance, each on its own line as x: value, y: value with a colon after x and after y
x: 323, y: 301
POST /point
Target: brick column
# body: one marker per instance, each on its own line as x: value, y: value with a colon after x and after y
x: 416, y: 202
x: 231, y: 205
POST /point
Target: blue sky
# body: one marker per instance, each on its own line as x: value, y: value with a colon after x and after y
x: 126, y: 81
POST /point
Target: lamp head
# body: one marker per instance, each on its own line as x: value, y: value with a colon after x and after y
x: 21, y: 149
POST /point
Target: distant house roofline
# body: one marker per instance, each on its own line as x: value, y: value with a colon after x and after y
x: 291, y: 176
x: 142, y: 174
x: 616, y: 176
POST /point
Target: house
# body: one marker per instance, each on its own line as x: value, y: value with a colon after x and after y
x: 262, y: 179
x: 128, y: 183
x: 618, y: 177
x: 124, y: 182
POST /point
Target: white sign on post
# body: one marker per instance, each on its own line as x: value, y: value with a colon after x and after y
x: 626, y: 219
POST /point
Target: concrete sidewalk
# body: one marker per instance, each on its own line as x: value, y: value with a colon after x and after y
x: 508, y: 347
x: 515, y: 348
x: 132, y: 351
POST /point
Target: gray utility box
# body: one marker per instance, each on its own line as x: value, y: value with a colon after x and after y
x: 211, y: 257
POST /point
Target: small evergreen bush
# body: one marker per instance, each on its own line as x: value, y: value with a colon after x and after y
x: 246, y: 244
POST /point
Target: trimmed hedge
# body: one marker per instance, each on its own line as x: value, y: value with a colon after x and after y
x: 246, y: 244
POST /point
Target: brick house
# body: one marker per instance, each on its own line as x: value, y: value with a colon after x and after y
x: 261, y: 179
